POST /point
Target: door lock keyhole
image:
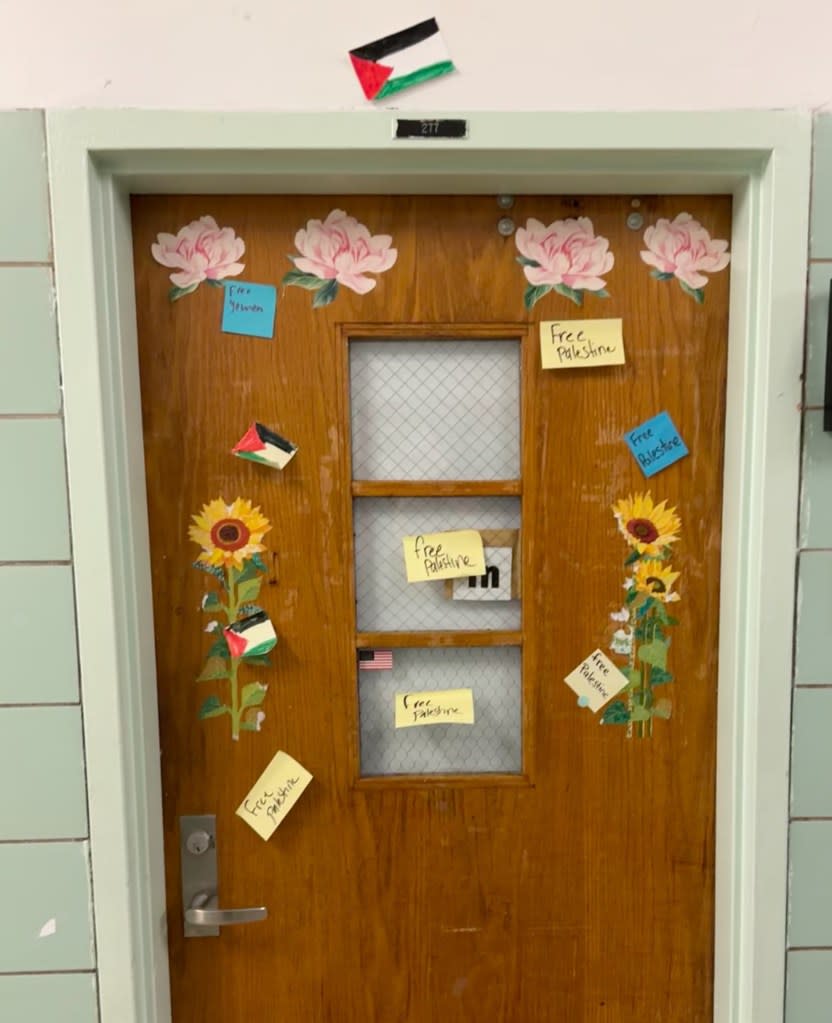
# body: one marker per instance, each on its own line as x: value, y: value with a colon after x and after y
x: 198, y: 842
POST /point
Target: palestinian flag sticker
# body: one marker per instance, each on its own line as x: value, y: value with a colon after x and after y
x: 251, y: 637
x: 265, y: 446
x: 398, y: 61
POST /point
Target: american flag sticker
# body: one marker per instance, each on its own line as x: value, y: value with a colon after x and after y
x: 375, y: 660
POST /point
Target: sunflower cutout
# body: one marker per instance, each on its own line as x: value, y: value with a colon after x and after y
x: 656, y: 579
x: 641, y: 640
x: 230, y: 536
x: 647, y: 527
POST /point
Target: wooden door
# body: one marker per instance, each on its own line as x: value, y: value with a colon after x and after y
x: 547, y: 863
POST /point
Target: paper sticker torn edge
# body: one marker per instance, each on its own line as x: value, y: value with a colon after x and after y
x: 262, y: 445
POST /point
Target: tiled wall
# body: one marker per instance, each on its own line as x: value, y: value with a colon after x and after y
x: 809, y: 988
x: 47, y: 956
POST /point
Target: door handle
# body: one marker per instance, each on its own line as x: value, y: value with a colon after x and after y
x: 204, y: 912
x: 201, y: 913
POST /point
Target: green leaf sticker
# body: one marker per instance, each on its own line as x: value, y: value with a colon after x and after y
x: 245, y: 610
x: 534, y: 293
x: 258, y: 563
x: 615, y: 713
x: 698, y: 294
x: 661, y: 276
x: 639, y: 714
x: 632, y: 558
x: 248, y: 590
x: 211, y: 602
x: 659, y: 677
x: 213, y: 570
x: 573, y: 294
x: 219, y: 649
x: 214, y: 284
x: 654, y: 654
x: 325, y: 294
x: 302, y: 280
x: 212, y: 708
x: 214, y: 667
x: 253, y: 694
x: 176, y: 293
x: 525, y: 261
x: 260, y: 660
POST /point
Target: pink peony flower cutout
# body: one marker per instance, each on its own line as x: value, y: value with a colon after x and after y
x: 566, y: 257
x: 339, y: 250
x: 200, y: 251
x: 683, y: 249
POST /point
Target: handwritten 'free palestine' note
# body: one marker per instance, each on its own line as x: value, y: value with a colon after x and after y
x: 274, y: 794
x: 596, y: 680
x: 437, y: 707
x: 449, y: 555
x: 656, y: 444
x: 581, y: 344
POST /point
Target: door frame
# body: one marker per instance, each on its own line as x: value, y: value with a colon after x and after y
x: 763, y: 158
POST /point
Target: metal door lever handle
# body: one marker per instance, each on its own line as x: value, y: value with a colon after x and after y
x: 203, y: 912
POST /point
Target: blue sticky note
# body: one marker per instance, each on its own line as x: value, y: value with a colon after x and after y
x: 249, y: 309
x: 656, y: 444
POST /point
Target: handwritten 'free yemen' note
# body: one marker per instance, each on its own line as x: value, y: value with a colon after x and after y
x: 437, y: 707
x: 581, y: 344
x: 596, y: 680
x: 274, y: 794
x: 451, y: 555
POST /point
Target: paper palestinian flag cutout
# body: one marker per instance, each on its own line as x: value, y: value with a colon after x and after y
x: 251, y: 636
x: 265, y: 446
x: 398, y: 61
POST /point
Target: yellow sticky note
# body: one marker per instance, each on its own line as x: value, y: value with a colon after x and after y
x: 435, y: 707
x: 274, y: 794
x: 596, y: 680
x: 443, y: 555
x: 581, y: 344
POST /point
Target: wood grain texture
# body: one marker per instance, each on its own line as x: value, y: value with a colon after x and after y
x: 585, y: 892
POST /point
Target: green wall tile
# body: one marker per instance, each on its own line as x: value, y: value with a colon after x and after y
x: 40, y: 883
x: 49, y: 998
x: 34, y: 525
x: 817, y: 310
x: 813, y: 662
x: 812, y: 753
x: 810, y: 883
x: 42, y: 794
x: 820, y: 245
x: 30, y: 381
x: 37, y: 634
x: 24, y: 199
x: 816, y: 491
x: 809, y: 987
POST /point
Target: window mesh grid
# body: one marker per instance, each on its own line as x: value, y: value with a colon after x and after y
x: 492, y: 744
x: 435, y: 410
x: 385, y: 601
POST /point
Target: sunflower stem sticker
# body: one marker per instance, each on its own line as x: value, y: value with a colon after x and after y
x: 338, y: 251
x: 684, y: 250
x: 230, y: 536
x: 642, y: 637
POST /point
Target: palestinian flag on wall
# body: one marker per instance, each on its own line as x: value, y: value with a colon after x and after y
x: 251, y: 637
x: 263, y: 445
x: 406, y: 58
